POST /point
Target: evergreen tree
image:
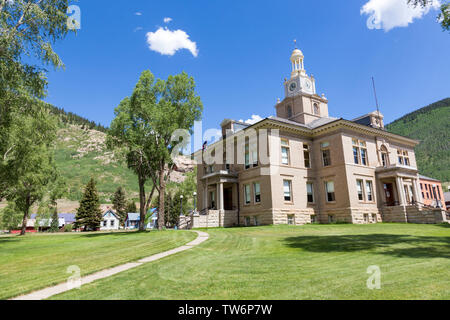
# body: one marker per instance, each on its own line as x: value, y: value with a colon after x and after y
x: 120, y: 205
x: 54, y: 226
x: 89, y: 214
x: 131, y: 207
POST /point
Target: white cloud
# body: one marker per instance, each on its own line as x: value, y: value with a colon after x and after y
x: 167, y: 20
x: 138, y: 29
x: 253, y: 120
x: 138, y: 13
x: 389, y: 14
x: 168, y: 42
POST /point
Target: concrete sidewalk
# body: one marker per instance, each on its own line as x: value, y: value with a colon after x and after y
x: 63, y: 287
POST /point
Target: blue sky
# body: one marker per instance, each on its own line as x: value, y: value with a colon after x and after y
x: 238, y: 52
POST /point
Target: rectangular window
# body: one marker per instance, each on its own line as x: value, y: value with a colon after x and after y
x: 113, y: 223
x: 369, y: 190
x: 285, y: 158
x: 366, y: 218
x: 331, y: 219
x: 313, y: 219
x: 291, y: 220
x: 329, y: 186
x: 256, y: 221
x: 257, y: 190
x: 356, y: 155
x: 360, y: 152
x: 364, y: 159
x: 255, y: 161
x: 326, y: 156
x: 105, y: 223
x: 247, y: 194
x: 287, y: 190
x: 403, y: 157
x: 247, y: 156
x: 359, y: 186
x: 307, y: 155
x: 247, y: 221
x: 310, y: 192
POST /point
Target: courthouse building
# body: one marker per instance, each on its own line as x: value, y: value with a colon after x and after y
x: 321, y: 169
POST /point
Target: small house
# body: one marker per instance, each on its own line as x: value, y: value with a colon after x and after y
x: 111, y: 221
x: 133, y: 220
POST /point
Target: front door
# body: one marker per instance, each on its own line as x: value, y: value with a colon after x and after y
x: 228, y: 198
x: 389, y: 193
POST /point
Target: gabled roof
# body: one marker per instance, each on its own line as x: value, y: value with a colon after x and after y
x: 137, y: 216
x: 112, y: 212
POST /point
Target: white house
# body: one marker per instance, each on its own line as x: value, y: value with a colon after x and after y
x: 110, y: 221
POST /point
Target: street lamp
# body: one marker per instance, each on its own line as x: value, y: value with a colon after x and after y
x: 195, y: 202
x: 181, y: 204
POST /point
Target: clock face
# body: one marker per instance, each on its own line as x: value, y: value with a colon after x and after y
x: 308, y: 84
x: 293, y: 86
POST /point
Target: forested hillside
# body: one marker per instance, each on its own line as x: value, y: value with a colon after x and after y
x: 431, y: 126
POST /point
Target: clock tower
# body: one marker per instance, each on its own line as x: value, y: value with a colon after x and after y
x: 301, y: 103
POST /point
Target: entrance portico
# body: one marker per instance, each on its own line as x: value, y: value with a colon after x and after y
x: 220, y: 193
x: 399, y: 186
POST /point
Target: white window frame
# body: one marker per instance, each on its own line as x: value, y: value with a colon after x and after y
x: 290, y: 191
x: 247, y: 194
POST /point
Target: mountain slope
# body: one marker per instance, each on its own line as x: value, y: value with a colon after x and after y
x: 431, y: 126
x: 81, y: 154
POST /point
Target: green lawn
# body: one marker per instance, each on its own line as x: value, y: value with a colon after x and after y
x: 38, y: 261
x: 310, y: 262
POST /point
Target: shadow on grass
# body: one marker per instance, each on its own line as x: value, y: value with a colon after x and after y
x: 388, y: 244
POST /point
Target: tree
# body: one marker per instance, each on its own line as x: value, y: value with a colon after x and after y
x: 146, y: 122
x: 29, y: 167
x: 89, y: 215
x: 131, y: 207
x: 444, y: 15
x: 119, y: 204
x: 54, y: 225
x: 10, y: 217
x: 28, y: 28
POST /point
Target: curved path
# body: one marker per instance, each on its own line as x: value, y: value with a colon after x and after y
x: 63, y: 287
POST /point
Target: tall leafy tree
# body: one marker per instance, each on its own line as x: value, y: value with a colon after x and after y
x: 120, y: 204
x: 444, y: 15
x: 146, y: 122
x: 29, y: 166
x: 28, y: 28
x: 10, y: 217
x: 89, y: 214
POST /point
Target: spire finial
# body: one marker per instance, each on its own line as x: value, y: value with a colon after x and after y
x: 295, y: 43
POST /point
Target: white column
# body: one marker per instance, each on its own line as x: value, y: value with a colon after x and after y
x: 401, y: 191
x: 205, y: 197
x: 220, y: 197
x: 417, y: 191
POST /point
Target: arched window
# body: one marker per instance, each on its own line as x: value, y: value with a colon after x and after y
x: 384, y: 156
x: 316, y: 109
x: 289, y: 112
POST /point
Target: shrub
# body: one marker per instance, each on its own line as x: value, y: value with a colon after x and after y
x: 68, y: 228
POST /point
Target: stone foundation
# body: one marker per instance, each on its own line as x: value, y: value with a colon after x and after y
x: 411, y: 214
